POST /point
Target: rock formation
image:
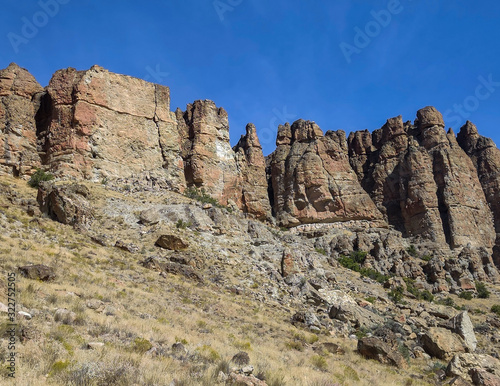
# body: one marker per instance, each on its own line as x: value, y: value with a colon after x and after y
x: 486, y: 158
x: 230, y: 175
x: 18, y: 140
x: 252, y: 169
x: 96, y: 124
x: 312, y: 180
x: 422, y: 181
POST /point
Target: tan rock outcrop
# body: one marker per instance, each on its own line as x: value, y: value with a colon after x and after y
x: 252, y: 171
x: 103, y: 125
x: 312, y: 180
x: 18, y: 140
x: 422, y: 181
x: 227, y: 174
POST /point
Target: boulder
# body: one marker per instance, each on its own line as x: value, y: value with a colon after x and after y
x: 441, y: 343
x: 172, y: 242
x: 461, y: 365
x: 38, y: 272
x: 482, y: 377
x: 462, y: 325
x: 344, y: 308
x: 66, y: 203
x: 374, y: 348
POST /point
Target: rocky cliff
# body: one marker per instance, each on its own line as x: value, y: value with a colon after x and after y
x: 312, y: 181
x: 414, y: 177
x: 423, y: 181
x: 486, y: 158
x: 18, y: 106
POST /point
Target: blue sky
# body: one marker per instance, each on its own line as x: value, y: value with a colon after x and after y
x: 345, y: 64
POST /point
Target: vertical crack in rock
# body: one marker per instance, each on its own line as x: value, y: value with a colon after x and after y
x: 156, y: 120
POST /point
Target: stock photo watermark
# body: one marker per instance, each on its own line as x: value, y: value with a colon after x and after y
x: 455, y: 116
x: 372, y: 29
x: 221, y: 7
x: 155, y: 74
x: 268, y: 134
x: 31, y: 26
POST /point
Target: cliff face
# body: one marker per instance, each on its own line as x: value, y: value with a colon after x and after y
x: 312, y: 180
x: 18, y: 105
x: 97, y: 124
x: 423, y: 181
x: 486, y: 158
x: 414, y: 177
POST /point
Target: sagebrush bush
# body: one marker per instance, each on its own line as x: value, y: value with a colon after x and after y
x: 482, y: 291
x: 38, y: 177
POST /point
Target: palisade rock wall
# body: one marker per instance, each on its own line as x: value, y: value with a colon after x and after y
x: 18, y: 106
x: 486, y: 158
x: 312, y: 180
x: 415, y: 177
x: 423, y: 181
x: 96, y: 124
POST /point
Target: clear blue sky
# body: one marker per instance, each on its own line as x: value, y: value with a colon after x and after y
x: 269, y: 61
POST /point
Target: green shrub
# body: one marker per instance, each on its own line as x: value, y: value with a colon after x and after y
x: 321, y: 251
x: 200, y: 195
x: 183, y: 225
x: 358, y: 256
x: 465, y: 295
x: 426, y: 257
x: 446, y: 302
x: 420, y: 295
x: 374, y: 275
x: 396, y: 294
x: 353, y: 261
x: 412, y: 251
x: 208, y: 353
x: 295, y: 345
x: 482, y: 291
x: 347, y: 262
x: 141, y: 345
x: 427, y: 296
x: 38, y: 177
x: 496, y: 309
x: 59, y: 366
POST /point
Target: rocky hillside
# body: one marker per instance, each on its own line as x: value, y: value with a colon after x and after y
x: 378, y: 240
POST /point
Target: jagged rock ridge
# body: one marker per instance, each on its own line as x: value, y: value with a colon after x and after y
x: 99, y: 125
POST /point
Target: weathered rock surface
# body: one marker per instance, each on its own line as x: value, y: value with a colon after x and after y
x: 96, y: 124
x: 252, y: 170
x: 312, y: 181
x: 67, y: 203
x: 229, y: 175
x: 171, y: 242
x: 38, y: 272
x: 486, y: 158
x: 441, y: 343
x: 374, y: 348
x: 422, y: 181
x: 462, y: 325
x: 462, y: 364
x: 18, y: 139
